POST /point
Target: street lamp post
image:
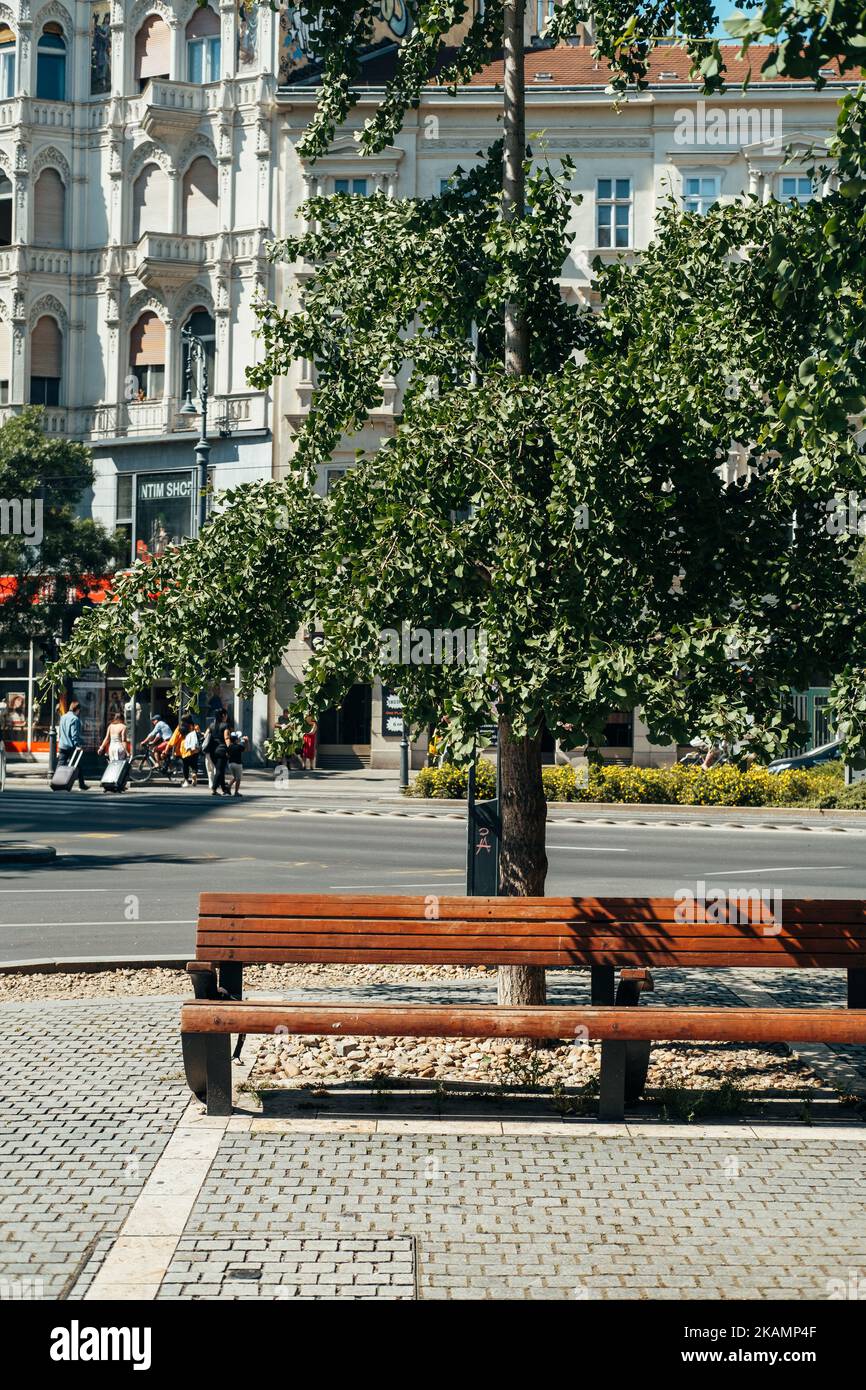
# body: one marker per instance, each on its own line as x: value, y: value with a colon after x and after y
x: 195, y: 348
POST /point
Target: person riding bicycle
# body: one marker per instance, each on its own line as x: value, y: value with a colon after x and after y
x: 158, y: 737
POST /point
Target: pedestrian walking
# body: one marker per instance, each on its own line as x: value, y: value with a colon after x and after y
x: 308, y: 749
x: 189, y: 751
x: 237, y: 746
x: 69, y: 737
x: 116, y: 743
x: 212, y: 736
x: 220, y: 757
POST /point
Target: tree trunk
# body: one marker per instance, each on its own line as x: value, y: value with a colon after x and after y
x: 523, y: 862
x: 513, y: 180
x: 522, y: 856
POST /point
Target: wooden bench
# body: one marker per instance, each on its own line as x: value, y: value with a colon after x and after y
x: 604, y: 935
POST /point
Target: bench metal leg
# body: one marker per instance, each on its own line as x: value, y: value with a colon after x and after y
x: 219, y: 1073
x: 195, y: 1063
x: 611, y: 1100
x: 857, y: 989
x: 637, y: 1053
x: 602, y: 984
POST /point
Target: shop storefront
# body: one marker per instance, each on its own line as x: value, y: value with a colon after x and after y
x: 25, y: 716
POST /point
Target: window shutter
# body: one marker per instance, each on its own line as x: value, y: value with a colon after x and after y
x: 45, y: 349
x: 203, y: 23
x: 49, y: 222
x: 147, y: 342
x: 153, y: 49
x: 150, y: 199
x: 200, y: 198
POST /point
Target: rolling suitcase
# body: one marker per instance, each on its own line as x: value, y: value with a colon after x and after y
x: 66, y: 773
x: 116, y: 775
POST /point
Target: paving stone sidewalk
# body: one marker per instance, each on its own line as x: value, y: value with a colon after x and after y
x: 94, y: 1090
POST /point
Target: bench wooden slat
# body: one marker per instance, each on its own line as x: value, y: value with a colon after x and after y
x: 368, y: 906
x: 445, y: 1020
x: 275, y: 927
x: 415, y: 941
x: 573, y: 956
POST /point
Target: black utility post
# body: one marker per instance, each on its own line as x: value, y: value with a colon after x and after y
x: 195, y: 348
x: 404, y: 756
x: 482, y: 849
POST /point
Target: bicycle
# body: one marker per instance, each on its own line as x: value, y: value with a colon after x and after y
x: 145, y: 767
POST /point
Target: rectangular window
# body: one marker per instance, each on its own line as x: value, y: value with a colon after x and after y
x: 123, y: 509
x: 151, y: 381
x: 7, y: 75
x: 357, y: 186
x: 798, y: 187
x: 544, y: 10
x: 333, y: 476
x: 163, y: 512
x: 195, y: 63
x: 44, y: 390
x: 700, y: 194
x: 613, y: 213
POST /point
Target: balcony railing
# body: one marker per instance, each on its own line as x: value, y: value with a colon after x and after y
x: 150, y: 419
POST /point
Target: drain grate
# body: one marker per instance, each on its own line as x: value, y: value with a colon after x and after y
x: 250, y: 1272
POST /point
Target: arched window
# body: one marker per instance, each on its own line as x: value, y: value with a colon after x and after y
x: 200, y: 198
x: 5, y: 211
x: 46, y: 359
x: 51, y: 64
x: 151, y: 197
x: 147, y: 356
x: 201, y: 325
x: 49, y: 210
x: 7, y: 63
x: 203, y: 46
x: 152, y: 51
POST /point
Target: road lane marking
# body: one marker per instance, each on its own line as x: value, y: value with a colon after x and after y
x: 785, y: 869
x: 142, y: 922
x: 58, y: 890
x: 590, y: 849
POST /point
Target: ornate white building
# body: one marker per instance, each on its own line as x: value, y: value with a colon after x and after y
x: 138, y: 176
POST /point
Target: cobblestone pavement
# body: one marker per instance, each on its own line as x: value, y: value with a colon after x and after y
x: 94, y: 1089
x: 577, y: 1216
x: 91, y: 1093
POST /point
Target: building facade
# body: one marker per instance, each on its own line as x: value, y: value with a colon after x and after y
x: 666, y: 142
x: 138, y: 190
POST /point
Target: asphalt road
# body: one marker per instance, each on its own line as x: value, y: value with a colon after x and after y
x: 130, y: 868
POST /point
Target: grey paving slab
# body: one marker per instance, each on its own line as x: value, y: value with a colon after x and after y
x: 91, y: 1093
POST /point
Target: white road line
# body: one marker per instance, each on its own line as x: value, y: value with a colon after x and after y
x: 59, y: 890
x: 135, y: 922
x: 590, y: 849
x: 371, y: 887
x: 784, y: 869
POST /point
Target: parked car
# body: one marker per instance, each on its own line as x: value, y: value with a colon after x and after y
x: 827, y: 753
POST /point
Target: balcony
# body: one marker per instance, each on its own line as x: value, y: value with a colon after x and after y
x: 159, y: 418
x: 170, y: 111
x: 165, y: 262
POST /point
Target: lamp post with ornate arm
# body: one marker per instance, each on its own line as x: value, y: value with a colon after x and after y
x: 195, y: 348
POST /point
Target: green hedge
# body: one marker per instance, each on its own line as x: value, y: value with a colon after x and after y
x: 684, y: 786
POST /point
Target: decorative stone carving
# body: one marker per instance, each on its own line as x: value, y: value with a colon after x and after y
x: 49, y: 157
x: 48, y: 304
x: 141, y: 303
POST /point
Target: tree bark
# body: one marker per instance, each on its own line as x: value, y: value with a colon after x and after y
x: 523, y: 810
x: 522, y: 856
x: 513, y: 179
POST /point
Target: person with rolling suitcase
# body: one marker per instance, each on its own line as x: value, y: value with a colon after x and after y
x: 118, y: 750
x: 70, y: 751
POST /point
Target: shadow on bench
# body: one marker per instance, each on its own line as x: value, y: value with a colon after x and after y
x: 603, y: 935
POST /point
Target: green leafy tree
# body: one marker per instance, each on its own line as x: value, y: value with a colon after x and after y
x: 47, y: 552
x: 554, y: 482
